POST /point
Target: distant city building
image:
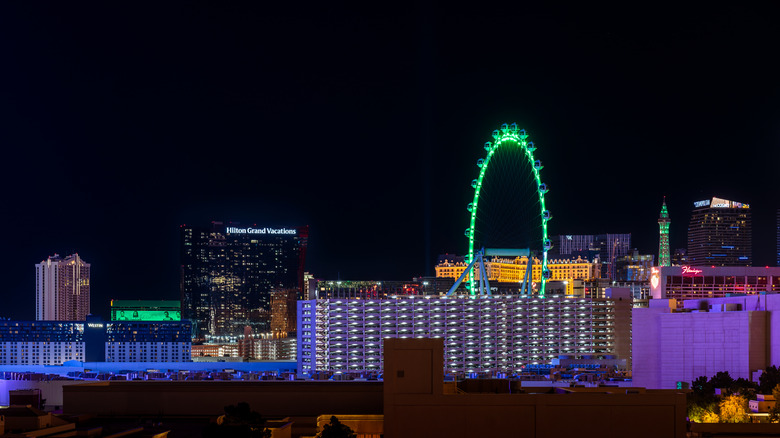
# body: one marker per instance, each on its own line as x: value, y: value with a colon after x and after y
x: 309, y: 286
x: 93, y: 340
x: 680, y: 257
x: 693, y: 282
x: 704, y: 337
x: 215, y: 350
x: 283, y: 312
x: 62, y: 289
x: 250, y: 346
x: 500, y: 334
x: 229, y: 270
x: 634, y: 267
x: 607, y: 247
x: 145, y: 310
x: 380, y: 289
x: 720, y: 234
x: 664, y: 258
x: 512, y: 271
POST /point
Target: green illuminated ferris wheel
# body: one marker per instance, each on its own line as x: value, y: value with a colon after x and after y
x: 508, y: 216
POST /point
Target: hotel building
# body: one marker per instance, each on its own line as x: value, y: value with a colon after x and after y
x: 512, y: 271
x: 607, y: 247
x: 62, y: 289
x: 720, y: 234
x: 692, y: 282
x: 228, y: 272
x: 681, y: 341
x: 381, y: 289
x: 634, y: 267
x: 500, y: 334
x: 93, y: 340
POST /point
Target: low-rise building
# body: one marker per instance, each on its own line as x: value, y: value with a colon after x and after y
x: 93, y: 340
x: 762, y: 404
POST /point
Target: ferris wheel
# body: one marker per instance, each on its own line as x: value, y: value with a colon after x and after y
x: 508, y: 213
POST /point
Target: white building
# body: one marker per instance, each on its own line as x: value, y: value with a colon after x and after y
x: 693, y: 282
x: 704, y: 337
x: 499, y: 334
x: 62, y: 289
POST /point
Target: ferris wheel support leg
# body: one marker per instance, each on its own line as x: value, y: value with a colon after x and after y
x: 525, y: 289
x: 468, y: 269
x: 483, y: 280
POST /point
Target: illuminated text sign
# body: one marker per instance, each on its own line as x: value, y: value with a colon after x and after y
x: 94, y: 325
x: 266, y: 230
x: 725, y: 203
x: 703, y: 203
x: 687, y: 270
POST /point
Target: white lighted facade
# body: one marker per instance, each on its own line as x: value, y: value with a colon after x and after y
x: 62, y: 289
x: 512, y: 270
x: 692, y: 282
x: 500, y: 334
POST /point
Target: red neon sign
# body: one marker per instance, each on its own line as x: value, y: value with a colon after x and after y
x: 687, y: 270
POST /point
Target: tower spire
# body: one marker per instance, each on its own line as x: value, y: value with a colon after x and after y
x: 664, y: 259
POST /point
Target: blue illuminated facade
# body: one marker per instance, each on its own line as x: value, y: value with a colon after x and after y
x: 93, y: 340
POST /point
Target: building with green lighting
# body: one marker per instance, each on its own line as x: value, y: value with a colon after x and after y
x: 145, y: 310
x: 664, y: 256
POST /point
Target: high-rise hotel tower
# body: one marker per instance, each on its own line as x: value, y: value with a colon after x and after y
x: 62, y: 289
x: 228, y: 272
x: 720, y: 234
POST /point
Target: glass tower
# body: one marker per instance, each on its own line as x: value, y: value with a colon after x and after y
x: 228, y: 272
x: 720, y: 234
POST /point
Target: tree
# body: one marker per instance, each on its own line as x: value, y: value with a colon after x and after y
x: 744, y: 387
x: 702, y: 387
x: 238, y: 421
x: 774, y: 412
x: 721, y: 380
x: 734, y: 409
x: 703, y: 413
x: 769, y: 379
x: 336, y: 429
x: 710, y: 417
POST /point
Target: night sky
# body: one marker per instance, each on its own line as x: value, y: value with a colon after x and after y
x: 121, y: 121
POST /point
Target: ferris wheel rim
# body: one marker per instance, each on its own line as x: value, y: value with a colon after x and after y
x: 504, y: 135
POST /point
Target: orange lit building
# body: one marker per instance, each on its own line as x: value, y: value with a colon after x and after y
x: 507, y: 270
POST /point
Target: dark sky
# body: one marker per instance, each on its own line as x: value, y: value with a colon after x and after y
x: 121, y: 121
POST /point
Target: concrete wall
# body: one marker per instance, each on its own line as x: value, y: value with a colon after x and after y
x: 416, y: 409
x: 769, y: 303
x: 646, y: 362
x: 269, y: 398
x: 670, y: 347
x: 50, y: 390
x: 702, y: 344
x: 624, y: 303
